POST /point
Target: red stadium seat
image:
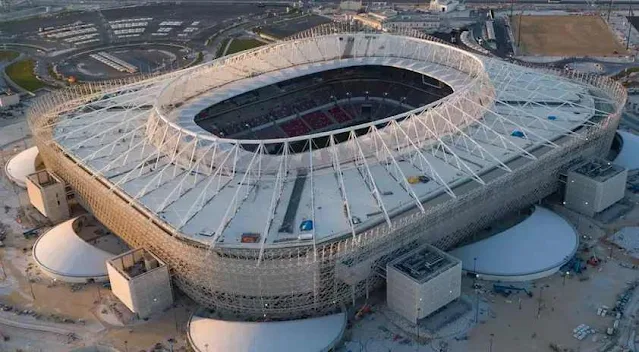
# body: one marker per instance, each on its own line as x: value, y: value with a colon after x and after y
x: 317, y: 120
x: 295, y: 127
x: 339, y: 115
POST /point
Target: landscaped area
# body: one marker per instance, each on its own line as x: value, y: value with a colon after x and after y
x: 238, y: 45
x: 8, y: 55
x: 21, y: 73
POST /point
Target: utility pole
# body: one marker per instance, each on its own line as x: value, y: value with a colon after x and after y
x: 512, y: 5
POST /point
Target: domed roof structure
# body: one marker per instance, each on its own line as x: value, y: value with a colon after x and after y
x: 62, y: 254
x: 536, y: 247
x: 22, y: 165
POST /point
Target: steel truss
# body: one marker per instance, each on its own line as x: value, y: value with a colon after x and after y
x: 284, y: 282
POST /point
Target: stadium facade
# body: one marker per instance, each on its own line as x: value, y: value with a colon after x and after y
x: 289, y: 217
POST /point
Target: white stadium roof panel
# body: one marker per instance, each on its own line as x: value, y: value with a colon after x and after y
x: 144, y: 139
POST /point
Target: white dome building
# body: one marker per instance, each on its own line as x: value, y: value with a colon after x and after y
x: 22, y: 165
x: 76, y: 251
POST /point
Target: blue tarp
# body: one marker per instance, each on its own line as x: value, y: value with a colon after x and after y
x: 306, y: 225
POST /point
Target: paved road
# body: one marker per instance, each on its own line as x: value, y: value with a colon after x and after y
x: 561, y: 2
x: 504, y: 46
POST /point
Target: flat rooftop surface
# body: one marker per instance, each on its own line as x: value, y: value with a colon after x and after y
x: 541, y: 242
x: 424, y: 263
x: 599, y: 170
x: 309, y: 335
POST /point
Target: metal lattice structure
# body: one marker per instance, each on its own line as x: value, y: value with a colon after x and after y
x: 143, y: 168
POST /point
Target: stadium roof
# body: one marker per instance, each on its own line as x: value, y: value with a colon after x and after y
x: 542, y: 242
x: 312, y: 334
x: 141, y: 139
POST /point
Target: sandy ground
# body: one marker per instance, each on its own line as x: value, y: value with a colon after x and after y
x: 501, y: 320
x: 565, y: 36
x: 521, y: 323
x: 89, y: 309
x: 628, y: 238
x: 516, y: 323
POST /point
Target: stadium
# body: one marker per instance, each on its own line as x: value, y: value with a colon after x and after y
x: 277, y: 183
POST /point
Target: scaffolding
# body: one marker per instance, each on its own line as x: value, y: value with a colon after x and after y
x: 288, y: 280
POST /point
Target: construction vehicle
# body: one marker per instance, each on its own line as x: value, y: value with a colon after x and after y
x: 575, y: 264
x: 364, y: 310
x: 508, y: 290
x: 30, y: 233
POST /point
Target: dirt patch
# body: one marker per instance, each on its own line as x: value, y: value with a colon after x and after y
x: 565, y: 36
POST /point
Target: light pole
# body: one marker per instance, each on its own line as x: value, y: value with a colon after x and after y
x: 99, y: 294
x: 4, y: 273
x: 519, y: 31
x: 566, y: 275
x: 418, y: 309
x: 541, y: 291
x: 490, y: 348
x: 629, y: 27
x: 476, y: 292
x: 30, y: 286
x: 177, y: 330
x: 474, y: 272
